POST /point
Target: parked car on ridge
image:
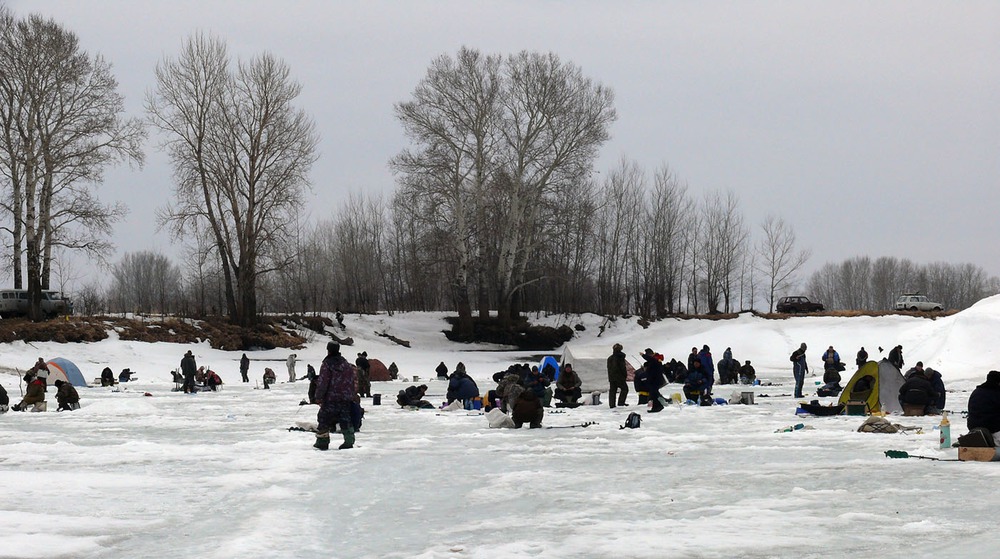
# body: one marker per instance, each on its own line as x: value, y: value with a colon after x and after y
x: 798, y: 303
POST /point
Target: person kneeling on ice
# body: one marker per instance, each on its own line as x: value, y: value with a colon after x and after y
x: 527, y: 409
x: 269, y: 378
x: 335, y: 391
x: 413, y: 397
x: 67, y: 396
x: 108, y: 377
x: 35, y: 395
x: 694, y: 384
x: 747, y: 373
x: 461, y: 386
x: 568, y: 387
x: 212, y: 380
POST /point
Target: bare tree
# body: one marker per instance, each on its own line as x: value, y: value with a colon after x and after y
x: 241, y: 153
x: 145, y: 282
x: 778, y: 259
x: 723, y: 242
x: 60, y: 126
x: 495, y: 139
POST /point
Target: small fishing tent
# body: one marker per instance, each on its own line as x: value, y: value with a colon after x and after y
x: 550, y: 360
x: 591, y: 364
x: 378, y: 370
x: 876, y: 384
x: 64, y: 369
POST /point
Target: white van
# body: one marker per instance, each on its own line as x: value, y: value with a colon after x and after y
x: 14, y: 302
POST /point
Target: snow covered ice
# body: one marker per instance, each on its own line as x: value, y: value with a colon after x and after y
x: 218, y: 475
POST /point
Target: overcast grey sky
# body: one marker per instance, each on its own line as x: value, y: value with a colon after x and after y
x: 872, y: 127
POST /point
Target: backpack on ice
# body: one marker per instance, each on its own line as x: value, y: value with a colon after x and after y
x: 633, y: 421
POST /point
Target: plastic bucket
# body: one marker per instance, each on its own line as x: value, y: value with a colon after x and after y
x: 376, y: 399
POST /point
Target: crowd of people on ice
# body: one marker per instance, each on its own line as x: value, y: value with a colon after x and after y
x: 524, y: 391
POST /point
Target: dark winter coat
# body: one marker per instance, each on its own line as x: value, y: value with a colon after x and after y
x: 442, y: 370
x: 35, y: 393
x: 917, y: 391
x: 244, y: 363
x: 107, y: 377
x: 656, y: 375
x: 461, y: 387
x: 337, y: 381
x: 799, y: 361
x: 641, y: 380
x: 747, y: 372
x: 984, y: 407
x: 412, y: 396
x: 862, y: 357
x: 617, y: 371
x: 707, y: 365
x: 896, y: 357
x: 67, y: 395
x: 937, y: 383
x: 695, y: 381
x: 536, y: 382
x: 189, y: 366
x: 527, y: 409
x: 568, y: 380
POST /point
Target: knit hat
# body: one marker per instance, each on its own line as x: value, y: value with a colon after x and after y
x: 333, y: 348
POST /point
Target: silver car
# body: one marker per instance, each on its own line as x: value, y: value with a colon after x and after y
x: 916, y: 302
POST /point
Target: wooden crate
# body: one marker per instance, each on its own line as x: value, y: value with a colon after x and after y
x: 977, y: 454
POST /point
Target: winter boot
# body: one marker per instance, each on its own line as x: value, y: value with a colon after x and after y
x: 322, y: 441
x: 657, y: 406
x: 348, y: 439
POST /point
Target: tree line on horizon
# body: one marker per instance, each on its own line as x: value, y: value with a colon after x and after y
x: 498, y: 206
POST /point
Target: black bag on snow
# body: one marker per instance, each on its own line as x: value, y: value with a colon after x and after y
x: 633, y: 421
x: 980, y: 437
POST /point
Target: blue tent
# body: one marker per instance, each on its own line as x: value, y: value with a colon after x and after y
x: 550, y: 360
x: 64, y: 369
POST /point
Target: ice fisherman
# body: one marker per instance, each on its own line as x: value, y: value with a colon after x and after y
x: 617, y: 377
x: 290, y: 362
x: 568, y: 386
x: 189, y: 367
x: 984, y: 405
x: 335, y: 392
x: 245, y: 368
x: 269, y: 378
x: 799, y: 368
x: 364, y: 375
x: 35, y: 394
x: 67, y: 396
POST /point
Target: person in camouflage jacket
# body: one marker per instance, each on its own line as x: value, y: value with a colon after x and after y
x: 336, y: 390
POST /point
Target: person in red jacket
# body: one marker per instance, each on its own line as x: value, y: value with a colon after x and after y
x: 336, y: 389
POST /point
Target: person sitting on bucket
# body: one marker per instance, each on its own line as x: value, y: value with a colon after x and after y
x: 67, y: 396
x: 269, y: 378
x: 212, y: 380
x: 335, y: 391
x: 984, y: 405
x: 35, y: 395
x: 568, y: 386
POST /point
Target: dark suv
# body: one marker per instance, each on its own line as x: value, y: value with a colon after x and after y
x: 798, y: 304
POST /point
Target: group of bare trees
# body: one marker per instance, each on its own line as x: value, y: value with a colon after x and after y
x: 864, y: 283
x: 498, y: 205
x: 61, y: 124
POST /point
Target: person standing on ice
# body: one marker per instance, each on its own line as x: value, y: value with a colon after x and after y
x: 862, y: 357
x: 245, y: 368
x: 335, y: 391
x: 291, y: 367
x: 189, y: 367
x: 617, y: 377
x: 655, y: 379
x: 707, y: 367
x: 896, y: 357
x: 364, y: 375
x: 799, y: 368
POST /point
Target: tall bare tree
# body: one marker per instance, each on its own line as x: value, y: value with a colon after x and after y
x: 778, y: 258
x: 241, y: 153
x: 494, y: 140
x: 61, y: 124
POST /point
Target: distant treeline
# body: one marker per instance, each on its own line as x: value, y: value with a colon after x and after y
x: 865, y: 284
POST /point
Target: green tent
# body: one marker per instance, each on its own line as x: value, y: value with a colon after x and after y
x: 876, y: 384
